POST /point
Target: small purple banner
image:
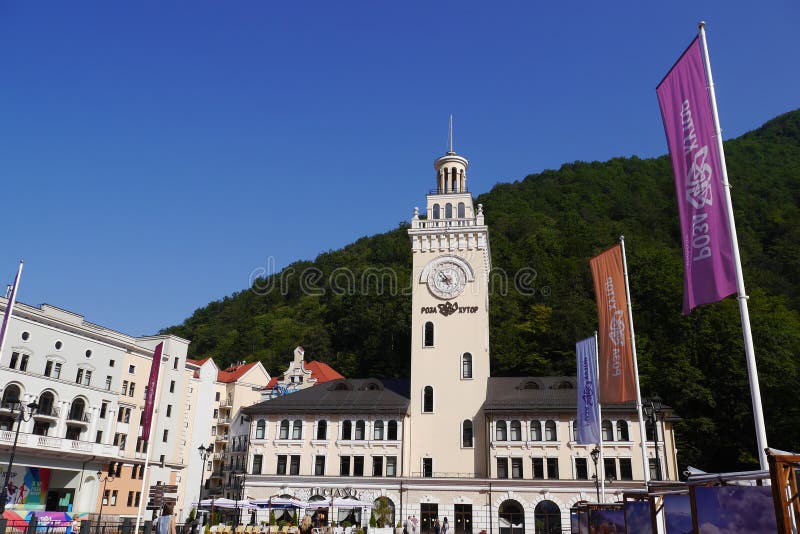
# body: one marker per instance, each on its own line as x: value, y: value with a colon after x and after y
x: 150, y: 396
x: 588, y: 407
x: 709, y: 274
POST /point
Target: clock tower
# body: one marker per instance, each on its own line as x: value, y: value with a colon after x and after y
x: 450, y: 328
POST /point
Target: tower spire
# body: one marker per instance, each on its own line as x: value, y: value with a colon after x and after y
x: 451, y: 135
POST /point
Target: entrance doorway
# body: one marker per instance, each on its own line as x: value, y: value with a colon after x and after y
x: 59, y: 500
x: 463, y: 518
x: 428, y: 512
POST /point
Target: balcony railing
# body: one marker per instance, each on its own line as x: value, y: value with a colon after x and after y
x: 59, y: 445
x: 47, y: 411
x: 448, y: 191
x: 445, y: 223
x: 80, y: 417
x: 222, y: 437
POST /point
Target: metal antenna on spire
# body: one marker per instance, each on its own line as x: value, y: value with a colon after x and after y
x: 451, y: 133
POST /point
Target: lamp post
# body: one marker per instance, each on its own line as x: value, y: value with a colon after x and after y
x: 652, y: 409
x: 595, y: 454
x: 104, y: 480
x: 205, y: 452
x: 20, y: 417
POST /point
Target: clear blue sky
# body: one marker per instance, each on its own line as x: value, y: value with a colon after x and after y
x: 152, y: 154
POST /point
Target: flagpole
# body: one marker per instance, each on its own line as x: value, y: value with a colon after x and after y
x: 600, y: 424
x: 12, y: 298
x: 146, y: 476
x: 752, y: 371
x: 642, y: 434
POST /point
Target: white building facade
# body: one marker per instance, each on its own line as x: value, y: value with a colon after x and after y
x: 493, y: 454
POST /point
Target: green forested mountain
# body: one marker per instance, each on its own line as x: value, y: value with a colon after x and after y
x: 548, y: 226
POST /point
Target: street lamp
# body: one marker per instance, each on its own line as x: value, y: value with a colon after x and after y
x: 595, y: 454
x: 20, y: 417
x: 652, y: 409
x: 205, y: 452
x: 104, y: 480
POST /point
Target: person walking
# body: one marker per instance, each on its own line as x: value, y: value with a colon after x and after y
x: 436, y: 528
x: 445, y: 526
x: 165, y: 524
x: 305, y: 525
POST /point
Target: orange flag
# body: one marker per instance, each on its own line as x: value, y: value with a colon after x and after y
x: 617, y: 381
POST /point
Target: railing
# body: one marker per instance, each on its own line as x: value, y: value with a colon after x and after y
x: 227, y: 402
x: 223, y: 420
x: 9, y: 405
x: 83, y: 417
x: 448, y: 191
x: 445, y: 223
x: 47, y: 411
x: 55, y: 443
x: 222, y: 437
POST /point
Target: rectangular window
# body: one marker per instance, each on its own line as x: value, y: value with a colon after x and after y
x: 127, y: 418
x: 131, y: 369
x: 99, y: 437
x: 103, y: 410
x: 610, y: 468
x: 322, y: 430
x: 258, y: 459
x: 581, y: 469
x: 172, y: 387
x: 106, y: 493
x: 319, y: 466
x: 166, y: 435
x: 56, y: 370
x: 108, y: 382
x: 294, y: 465
x: 297, y: 430
x: 161, y: 460
x: 87, y: 378
x: 216, y: 397
x: 654, y: 471
x: 114, y: 498
x: 552, y: 468
x: 391, y: 466
x: 23, y: 364
x: 79, y: 376
x: 427, y: 467
x: 216, y: 412
x: 516, y: 468
x: 111, y: 363
x: 175, y: 363
x: 124, y: 387
x: 134, y: 468
x: 48, y: 367
x: 281, y: 469
x: 112, y: 469
x: 377, y: 466
x: 358, y: 466
x: 538, y: 468
x: 14, y: 358
x: 625, y: 469
x: 344, y: 466
x: 130, y: 391
x: 130, y: 498
x: 502, y: 468
x: 138, y: 498
x: 391, y: 431
x: 169, y: 410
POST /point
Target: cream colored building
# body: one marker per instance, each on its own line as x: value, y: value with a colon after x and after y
x: 488, y: 453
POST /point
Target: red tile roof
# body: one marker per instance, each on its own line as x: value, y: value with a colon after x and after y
x: 234, y: 372
x: 196, y: 362
x: 322, y: 371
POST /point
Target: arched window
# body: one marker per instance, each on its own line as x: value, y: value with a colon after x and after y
x: 511, y: 518
x: 515, y: 431
x: 428, y: 334
x: 377, y: 430
x: 360, y: 429
x: 46, y: 403
x: 436, y: 212
x: 284, y: 433
x: 536, y: 431
x: 322, y: 429
x: 622, y: 431
x: 347, y: 430
x: 297, y: 429
x: 466, y: 433
x: 448, y: 211
x: 383, y: 509
x: 548, y: 518
x: 10, y: 395
x: 607, y: 431
x: 500, y: 431
x: 77, y: 409
x: 261, y: 426
x: 391, y: 431
x: 461, y: 210
x: 550, y: 430
x: 466, y: 365
x: 427, y: 399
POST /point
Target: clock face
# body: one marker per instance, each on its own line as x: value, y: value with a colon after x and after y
x: 447, y: 280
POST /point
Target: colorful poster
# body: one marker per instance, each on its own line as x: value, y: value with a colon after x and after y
x: 678, y: 514
x: 616, y: 376
x: 607, y: 519
x: 150, y: 395
x: 27, y: 487
x: 708, y: 268
x: 637, y: 517
x: 588, y: 421
x: 729, y: 509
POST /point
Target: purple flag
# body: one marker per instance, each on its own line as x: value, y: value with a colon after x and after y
x: 588, y: 408
x: 12, y: 297
x: 708, y: 268
x: 150, y: 395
